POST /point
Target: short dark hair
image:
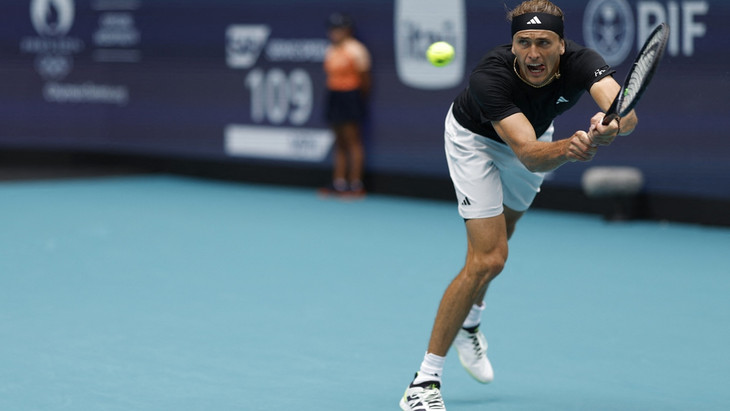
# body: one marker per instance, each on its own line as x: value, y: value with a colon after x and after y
x: 339, y: 20
x: 535, y: 6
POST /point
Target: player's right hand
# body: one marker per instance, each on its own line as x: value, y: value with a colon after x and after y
x: 601, y: 135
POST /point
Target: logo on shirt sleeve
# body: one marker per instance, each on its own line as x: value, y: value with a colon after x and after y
x: 600, y: 71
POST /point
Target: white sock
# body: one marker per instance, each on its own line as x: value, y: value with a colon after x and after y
x: 431, y: 368
x: 475, y: 316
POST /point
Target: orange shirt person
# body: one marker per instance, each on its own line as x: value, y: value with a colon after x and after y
x: 347, y: 68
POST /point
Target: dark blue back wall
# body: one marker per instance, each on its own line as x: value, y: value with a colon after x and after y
x: 243, y: 80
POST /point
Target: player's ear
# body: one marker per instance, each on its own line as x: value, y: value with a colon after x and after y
x: 562, y: 47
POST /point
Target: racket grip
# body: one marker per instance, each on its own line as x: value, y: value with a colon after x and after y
x: 609, y: 118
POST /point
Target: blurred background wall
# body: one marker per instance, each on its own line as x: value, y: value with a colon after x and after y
x: 234, y: 89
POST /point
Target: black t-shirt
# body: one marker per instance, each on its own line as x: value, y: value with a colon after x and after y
x: 496, y: 92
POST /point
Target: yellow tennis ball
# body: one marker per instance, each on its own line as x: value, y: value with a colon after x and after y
x: 440, y: 53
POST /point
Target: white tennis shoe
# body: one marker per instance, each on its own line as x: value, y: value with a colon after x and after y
x: 472, y: 350
x: 423, y: 397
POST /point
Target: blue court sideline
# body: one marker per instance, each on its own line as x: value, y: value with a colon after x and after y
x: 167, y: 293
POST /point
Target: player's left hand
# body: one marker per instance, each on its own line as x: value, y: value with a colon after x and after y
x: 601, y: 135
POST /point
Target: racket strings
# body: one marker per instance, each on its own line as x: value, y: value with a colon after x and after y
x: 643, y: 67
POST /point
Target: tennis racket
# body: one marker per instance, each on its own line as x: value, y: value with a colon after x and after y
x: 640, y: 74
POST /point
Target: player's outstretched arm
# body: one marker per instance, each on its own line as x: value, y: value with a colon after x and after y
x: 541, y: 156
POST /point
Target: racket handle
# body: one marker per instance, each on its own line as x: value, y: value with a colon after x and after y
x: 609, y: 118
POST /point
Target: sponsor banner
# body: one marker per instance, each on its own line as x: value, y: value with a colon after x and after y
x: 55, y: 45
x: 223, y: 79
x: 420, y: 23
x: 278, y: 77
x: 278, y: 142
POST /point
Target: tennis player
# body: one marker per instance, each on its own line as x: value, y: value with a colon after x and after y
x: 499, y: 143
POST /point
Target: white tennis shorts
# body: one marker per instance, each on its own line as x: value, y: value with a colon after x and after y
x: 487, y: 175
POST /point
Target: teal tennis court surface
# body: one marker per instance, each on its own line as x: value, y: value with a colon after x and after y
x: 167, y: 293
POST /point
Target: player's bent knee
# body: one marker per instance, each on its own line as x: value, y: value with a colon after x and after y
x: 486, y: 266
